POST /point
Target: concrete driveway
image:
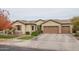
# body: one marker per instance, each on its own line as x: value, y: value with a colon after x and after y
x: 47, y: 42
x: 58, y: 42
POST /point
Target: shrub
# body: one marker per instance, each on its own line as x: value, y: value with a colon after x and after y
x: 39, y: 29
x: 27, y: 33
x: 35, y: 33
x: 76, y: 34
x: 74, y: 31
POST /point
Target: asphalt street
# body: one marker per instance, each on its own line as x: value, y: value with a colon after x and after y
x: 15, y: 48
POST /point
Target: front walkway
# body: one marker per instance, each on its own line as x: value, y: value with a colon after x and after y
x: 57, y: 42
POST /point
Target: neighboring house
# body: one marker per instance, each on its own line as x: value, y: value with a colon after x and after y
x: 47, y: 26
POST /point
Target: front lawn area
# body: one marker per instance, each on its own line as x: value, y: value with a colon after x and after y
x: 26, y: 37
x: 7, y: 36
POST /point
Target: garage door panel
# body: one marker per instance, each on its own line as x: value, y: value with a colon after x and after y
x: 65, y: 29
x: 51, y: 29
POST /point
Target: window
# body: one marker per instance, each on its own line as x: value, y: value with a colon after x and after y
x: 32, y: 27
x: 18, y: 27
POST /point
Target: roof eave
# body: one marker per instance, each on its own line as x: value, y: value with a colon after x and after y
x: 52, y: 21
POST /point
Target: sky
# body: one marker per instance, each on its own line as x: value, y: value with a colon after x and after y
x: 42, y: 13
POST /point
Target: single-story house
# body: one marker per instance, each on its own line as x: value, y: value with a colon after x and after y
x: 47, y: 26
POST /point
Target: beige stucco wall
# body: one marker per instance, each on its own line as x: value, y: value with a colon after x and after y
x: 29, y: 28
x: 71, y: 28
x: 25, y: 28
x: 50, y: 23
x: 39, y: 22
x: 22, y: 25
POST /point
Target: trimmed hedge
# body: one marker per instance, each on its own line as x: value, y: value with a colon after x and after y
x: 35, y: 33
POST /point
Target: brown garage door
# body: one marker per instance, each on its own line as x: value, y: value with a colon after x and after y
x: 65, y: 29
x: 51, y: 29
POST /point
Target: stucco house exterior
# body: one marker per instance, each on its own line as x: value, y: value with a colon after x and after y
x: 57, y: 26
x: 49, y: 26
x: 22, y: 26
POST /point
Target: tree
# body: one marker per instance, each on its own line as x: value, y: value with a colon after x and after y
x: 39, y: 29
x: 4, y: 20
x: 75, y: 23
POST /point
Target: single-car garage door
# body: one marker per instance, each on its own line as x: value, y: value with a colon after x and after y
x: 65, y: 29
x: 51, y: 29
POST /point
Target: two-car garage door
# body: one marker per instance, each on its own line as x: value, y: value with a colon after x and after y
x: 55, y: 29
x: 51, y: 29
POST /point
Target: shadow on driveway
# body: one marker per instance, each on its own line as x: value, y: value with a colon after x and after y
x: 15, y: 48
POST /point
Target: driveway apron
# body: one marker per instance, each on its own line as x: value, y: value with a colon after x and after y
x: 58, y: 42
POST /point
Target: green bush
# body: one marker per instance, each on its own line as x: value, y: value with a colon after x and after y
x: 76, y: 34
x: 39, y: 29
x: 35, y: 33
